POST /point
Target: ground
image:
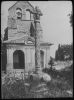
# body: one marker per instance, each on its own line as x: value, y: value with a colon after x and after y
x: 59, y: 86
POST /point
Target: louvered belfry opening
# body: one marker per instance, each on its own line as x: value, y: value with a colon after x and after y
x: 18, y: 60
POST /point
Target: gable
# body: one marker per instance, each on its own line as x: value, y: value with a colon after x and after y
x: 20, y: 4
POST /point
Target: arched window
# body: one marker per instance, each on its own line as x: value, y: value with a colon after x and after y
x: 19, y: 13
x: 27, y: 14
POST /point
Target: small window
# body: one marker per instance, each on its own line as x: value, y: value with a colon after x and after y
x: 19, y: 13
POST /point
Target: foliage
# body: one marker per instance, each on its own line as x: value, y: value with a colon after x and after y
x: 71, y: 18
x: 64, y: 52
x: 58, y: 87
x: 6, y: 34
x: 32, y: 30
x: 3, y: 56
x: 16, y: 89
x: 51, y: 62
x: 65, y: 74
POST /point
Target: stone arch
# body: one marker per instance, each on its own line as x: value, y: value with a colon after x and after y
x: 42, y: 58
x: 18, y: 59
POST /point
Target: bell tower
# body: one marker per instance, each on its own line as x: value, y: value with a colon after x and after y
x: 21, y: 21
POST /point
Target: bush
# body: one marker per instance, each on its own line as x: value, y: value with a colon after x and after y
x: 16, y: 89
x: 65, y: 74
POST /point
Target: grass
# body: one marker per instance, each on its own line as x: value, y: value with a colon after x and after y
x: 58, y: 88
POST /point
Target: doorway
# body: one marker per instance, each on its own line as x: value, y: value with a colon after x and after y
x: 18, y: 59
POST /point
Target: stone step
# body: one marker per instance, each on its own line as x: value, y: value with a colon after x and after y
x: 26, y: 84
x: 42, y: 90
x: 40, y: 85
x: 69, y: 92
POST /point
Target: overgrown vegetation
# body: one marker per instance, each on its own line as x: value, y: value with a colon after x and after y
x: 66, y: 73
x: 57, y: 87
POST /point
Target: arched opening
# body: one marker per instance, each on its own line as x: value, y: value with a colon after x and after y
x: 42, y: 58
x: 19, y: 13
x: 27, y: 15
x: 18, y: 59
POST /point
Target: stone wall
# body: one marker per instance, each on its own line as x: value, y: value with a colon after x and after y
x: 22, y: 26
x: 29, y: 55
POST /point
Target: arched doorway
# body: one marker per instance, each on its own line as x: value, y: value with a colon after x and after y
x: 18, y: 59
x: 42, y: 58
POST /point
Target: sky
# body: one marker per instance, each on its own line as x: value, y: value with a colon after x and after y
x: 54, y: 22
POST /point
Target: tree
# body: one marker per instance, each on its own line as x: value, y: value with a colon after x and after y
x: 6, y: 34
x: 51, y: 62
x: 64, y: 52
x: 3, y: 56
x: 58, y: 53
x: 71, y: 18
x: 32, y: 30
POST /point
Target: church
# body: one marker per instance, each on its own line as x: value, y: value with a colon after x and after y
x: 20, y: 43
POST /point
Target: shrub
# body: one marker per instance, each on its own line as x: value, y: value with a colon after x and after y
x: 13, y: 89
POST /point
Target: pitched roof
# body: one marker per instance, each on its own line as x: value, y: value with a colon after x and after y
x: 46, y: 44
x: 22, y: 40
x: 19, y: 40
x: 21, y: 1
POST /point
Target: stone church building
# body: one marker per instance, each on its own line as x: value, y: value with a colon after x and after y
x: 20, y: 43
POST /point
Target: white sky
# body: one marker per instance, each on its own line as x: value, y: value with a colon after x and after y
x: 54, y: 22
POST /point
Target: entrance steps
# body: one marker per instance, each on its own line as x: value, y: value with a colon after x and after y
x: 40, y: 88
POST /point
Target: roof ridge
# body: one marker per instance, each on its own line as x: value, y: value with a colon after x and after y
x: 20, y: 1
x: 14, y: 39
